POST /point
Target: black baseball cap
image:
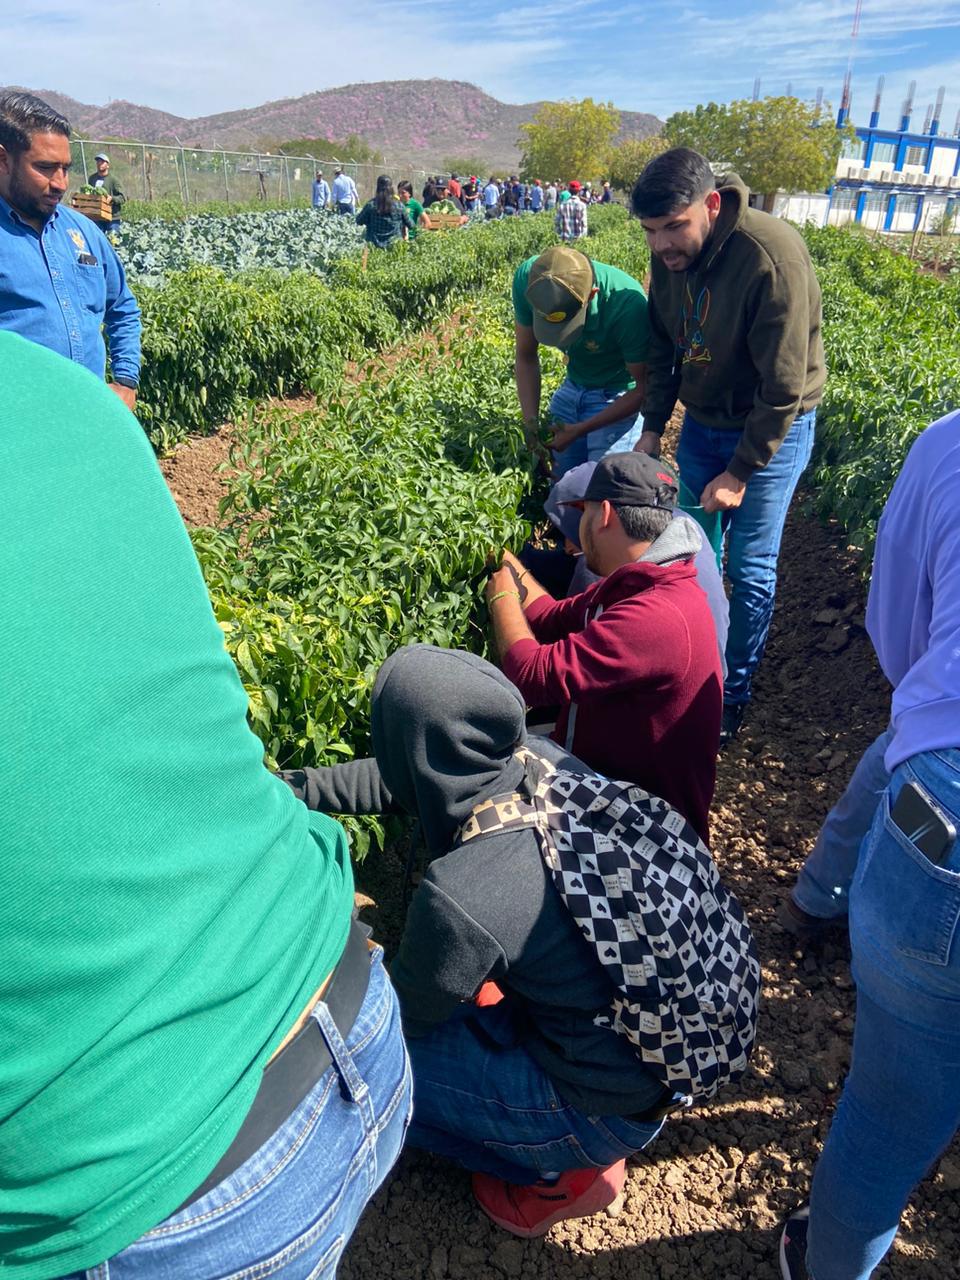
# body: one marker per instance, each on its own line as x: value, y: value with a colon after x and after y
x: 630, y: 480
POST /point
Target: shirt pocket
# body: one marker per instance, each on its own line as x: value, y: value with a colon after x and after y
x: 91, y: 287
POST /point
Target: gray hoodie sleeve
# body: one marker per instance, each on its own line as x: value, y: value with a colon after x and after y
x: 445, y: 957
x: 354, y: 787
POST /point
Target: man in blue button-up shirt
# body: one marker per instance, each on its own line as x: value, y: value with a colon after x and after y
x: 345, y: 195
x: 61, y: 282
x: 321, y: 192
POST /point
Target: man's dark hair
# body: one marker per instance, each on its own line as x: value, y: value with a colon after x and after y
x: 670, y: 182
x: 407, y: 186
x: 22, y: 115
x: 643, y: 524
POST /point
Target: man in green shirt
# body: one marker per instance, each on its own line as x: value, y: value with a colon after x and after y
x: 172, y: 918
x: 105, y: 181
x: 596, y: 315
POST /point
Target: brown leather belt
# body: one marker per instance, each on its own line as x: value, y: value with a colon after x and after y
x: 290, y: 1075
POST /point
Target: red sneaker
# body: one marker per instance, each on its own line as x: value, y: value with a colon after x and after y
x: 532, y: 1211
x: 488, y: 994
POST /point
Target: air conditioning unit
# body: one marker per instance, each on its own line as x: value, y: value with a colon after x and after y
x: 898, y: 175
x: 886, y: 175
x: 859, y: 174
x: 955, y: 183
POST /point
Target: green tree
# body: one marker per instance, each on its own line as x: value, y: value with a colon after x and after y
x: 774, y: 144
x: 352, y: 148
x: 628, y: 160
x: 465, y: 166
x: 568, y: 140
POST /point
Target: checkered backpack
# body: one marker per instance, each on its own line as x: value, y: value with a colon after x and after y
x: 646, y: 893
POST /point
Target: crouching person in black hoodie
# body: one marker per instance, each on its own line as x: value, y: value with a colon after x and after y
x: 522, y: 1086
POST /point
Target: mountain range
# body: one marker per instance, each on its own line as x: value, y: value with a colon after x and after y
x: 409, y: 120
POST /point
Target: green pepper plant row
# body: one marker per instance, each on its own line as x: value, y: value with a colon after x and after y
x: 892, y: 343
x: 212, y: 342
x: 362, y: 527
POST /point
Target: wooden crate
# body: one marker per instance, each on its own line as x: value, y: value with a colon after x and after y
x: 442, y: 221
x: 100, y: 208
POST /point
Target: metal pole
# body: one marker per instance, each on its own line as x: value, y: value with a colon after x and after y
x: 226, y: 184
x: 143, y: 170
x: 186, y: 188
x: 83, y: 161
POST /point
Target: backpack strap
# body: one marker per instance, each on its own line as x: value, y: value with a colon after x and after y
x: 510, y: 811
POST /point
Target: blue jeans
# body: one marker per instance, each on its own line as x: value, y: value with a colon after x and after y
x: 481, y: 1100
x: 291, y: 1208
x: 572, y: 403
x: 753, y: 531
x: 900, y: 1105
x: 823, y: 886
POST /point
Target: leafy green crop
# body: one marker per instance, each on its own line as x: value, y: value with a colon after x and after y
x: 361, y: 528
x: 893, y: 357
x: 286, y: 240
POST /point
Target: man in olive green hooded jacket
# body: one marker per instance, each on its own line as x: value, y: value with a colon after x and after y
x: 734, y: 312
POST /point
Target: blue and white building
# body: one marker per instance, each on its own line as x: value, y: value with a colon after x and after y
x: 897, y: 180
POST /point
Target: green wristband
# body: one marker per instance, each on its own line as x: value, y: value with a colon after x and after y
x: 500, y: 594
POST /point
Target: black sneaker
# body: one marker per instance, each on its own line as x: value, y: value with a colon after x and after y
x: 731, y: 720
x: 793, y: 1245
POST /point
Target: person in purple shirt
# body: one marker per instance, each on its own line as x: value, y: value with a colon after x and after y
x: 61, y: 283
x: 888, y: 862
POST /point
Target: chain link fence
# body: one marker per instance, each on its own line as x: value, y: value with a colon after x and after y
x: 149, y: 171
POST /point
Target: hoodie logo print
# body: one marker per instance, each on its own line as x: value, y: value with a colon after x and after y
x: 693, y: 316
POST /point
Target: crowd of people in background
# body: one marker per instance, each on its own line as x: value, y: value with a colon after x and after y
x: 494, y: 199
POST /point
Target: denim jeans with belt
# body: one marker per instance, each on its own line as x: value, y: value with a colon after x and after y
x: 900, y: 1105
x: 753, y: 532
x: 481, y: 1100
x: 572, y: 403
x: 291, y: 1208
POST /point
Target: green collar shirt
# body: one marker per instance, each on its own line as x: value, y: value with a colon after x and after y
x: 616, y: 332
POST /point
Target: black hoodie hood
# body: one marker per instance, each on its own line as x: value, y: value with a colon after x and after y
x: 445, y: 725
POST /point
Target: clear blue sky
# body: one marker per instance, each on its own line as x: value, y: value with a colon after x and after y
x: 194, y: 57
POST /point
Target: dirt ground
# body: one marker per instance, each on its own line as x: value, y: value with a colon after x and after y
x: 705, y: 1201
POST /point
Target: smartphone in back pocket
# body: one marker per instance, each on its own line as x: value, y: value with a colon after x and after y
x: 924, y: 825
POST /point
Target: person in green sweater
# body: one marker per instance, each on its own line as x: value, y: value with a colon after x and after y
x: 734, y: 313
x: 185, y: 1000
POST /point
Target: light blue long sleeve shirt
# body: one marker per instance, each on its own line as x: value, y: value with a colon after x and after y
x: 913, y: 612
x: 344, y: 189
x: 62, y: 287
x: 321, y: 194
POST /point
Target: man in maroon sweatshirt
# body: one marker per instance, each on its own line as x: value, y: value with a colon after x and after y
x: 632, y: 662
